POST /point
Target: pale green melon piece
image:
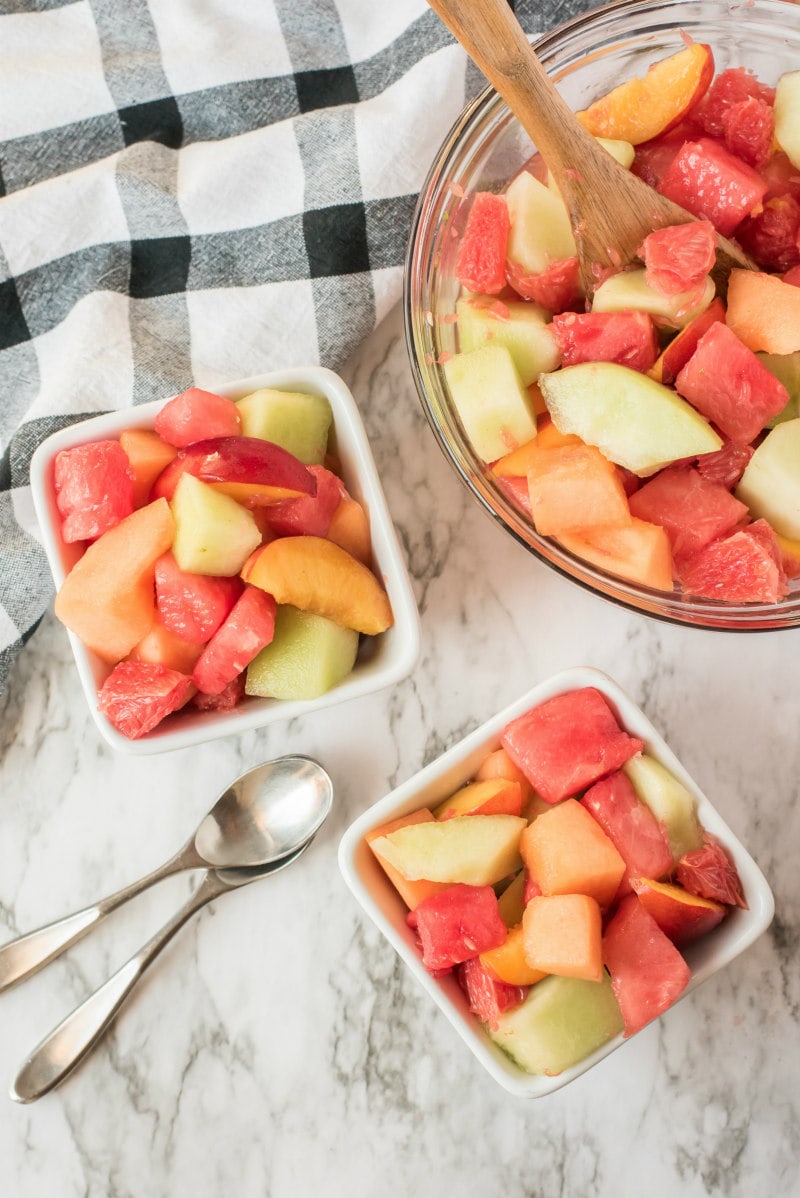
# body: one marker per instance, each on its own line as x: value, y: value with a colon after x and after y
x: 669, y: 800
x: 477, y: 850
x: 214, y: 534
x: 540, y: 225
x: 629, y: 289
x: 786, y: 368
x: 495, y: 408
x: 623, y: 151
x: 787, y: 115
x: 633, y: 420
x: 770, y: 485
x: 292, y: 419
x: 308, y: 656
x: 561, y: 1021
x: 523, y: 328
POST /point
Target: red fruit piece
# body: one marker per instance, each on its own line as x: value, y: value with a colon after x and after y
x: 196, y: 415
x: 745, y: 567
x: 725, y: 381
x: 193, y: 606
x: 458, y: 923
x: 692, y: 510
x: 729, y: 88
x: 726, y: 465
x: 678, y: 257
x: 516, y: 488
x: 249, y: 627
x: 771, y: 237
x: 748, y: 129
x: 793, y: 276
x: 557, y: 288
x: 628, y: 338
x: 94, y: 489
x: 487, y: 997
x: 481, y: 258
x: 308, y: 515
x: 567, y: 743
x: 248, y: 469
x: 137, y: 695
x: 652, y: 158
x: 710, y: 873
x: 631, y: 827
x: 647, y: 971
x: 227, y: 699
x: 708, y: 181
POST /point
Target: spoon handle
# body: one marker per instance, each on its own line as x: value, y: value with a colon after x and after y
x: 68, y: 1043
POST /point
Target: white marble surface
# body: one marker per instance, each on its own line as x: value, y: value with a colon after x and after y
x: 278, y: 1047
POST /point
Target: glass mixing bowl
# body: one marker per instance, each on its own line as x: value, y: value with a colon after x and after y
x: 586, y: 57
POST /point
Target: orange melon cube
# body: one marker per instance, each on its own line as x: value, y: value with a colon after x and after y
x: 764, y: 312
x: 638, y: 551
x: 508, y: 963
x: 148, y: 455
x: 490, y: 796
x: 573, y: 488
x: 549, y: 435
x: 411, y: 892
x: 515, y: 464
x: 563, y: 934
x: 162, y: 647
x: 567, y: 852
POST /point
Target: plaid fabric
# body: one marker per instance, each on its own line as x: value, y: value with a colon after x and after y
x: 195, y: 191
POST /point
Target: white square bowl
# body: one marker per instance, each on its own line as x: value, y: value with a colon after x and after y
x: 442, y: 777
x: 392, y: 655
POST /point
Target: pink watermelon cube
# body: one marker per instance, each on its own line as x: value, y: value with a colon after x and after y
x: 647, y: 971
x: 481, y: 259
x: 93, y: 486
x: 137, y: 695
x: 708, y: 181
x: 196, y: 415
x: 567, y: 743
x: 487, y: 997
x: 692, y: 509
x: 193, y: 606
x: 458, y: 923
x: 631, y: 827
x: 247, y: 629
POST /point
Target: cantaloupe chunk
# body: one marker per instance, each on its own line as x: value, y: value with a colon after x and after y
x: 162, y: 647
x: 508, y: 963
x: 567, y: 852
x: 574, y: 489
x: 108, y: 597
x: 764, y: 312
x: 412, y: 892
x: 562, y: 933
x: 349, y: 528
x: 148, y: 456
x: 638, y: 551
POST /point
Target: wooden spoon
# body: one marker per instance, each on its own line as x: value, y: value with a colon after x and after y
x: 611, y: 210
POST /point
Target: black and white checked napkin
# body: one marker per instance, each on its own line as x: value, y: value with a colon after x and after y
x: 196, y: 191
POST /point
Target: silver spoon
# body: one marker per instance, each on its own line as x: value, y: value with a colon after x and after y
x: 263, y: 816
x: 72, y: 1040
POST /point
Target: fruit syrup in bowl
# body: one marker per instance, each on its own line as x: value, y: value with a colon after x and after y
x: 586, y: 57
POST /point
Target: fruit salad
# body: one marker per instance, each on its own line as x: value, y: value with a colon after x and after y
x: 562, y: 883
x: 216, y: 556
x: 651, y: 428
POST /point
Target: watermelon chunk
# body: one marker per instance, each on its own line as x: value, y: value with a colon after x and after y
x: 567, y: 743
x: 138, y: 695
x: 488, y: 998
x: 678, y: 257
x: 745, y: 567
x: 631, y: 827
x: 246, y: 630
x: 196, y: 415
x: 193, y: 606
x: 748, y: 130
x: 691, y: 509
x: 647, y: 971
x: 710, y: 873
x: 729, y: 89
x: 710, y: 182
x: 481, y: 258
x: 228, y: 698
x: 628, y: 338
x: 94, y: 489
x: 458, y: 923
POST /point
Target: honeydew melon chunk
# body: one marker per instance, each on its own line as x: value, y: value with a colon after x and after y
x: 787, y: 115
x: 786, y: 368
x: 561, y: 1021
x: 307, y: 657
x: 477, y: 850
x: 294, y: 420
x: 540, y: 226
x: 629, y: 289
x: 495, y: 408
x: 668, y: 799
x: 770, y: 485
x: 621, y: 150
x: 214, y: 534
x: 633, y: 420
x: 523, y: 328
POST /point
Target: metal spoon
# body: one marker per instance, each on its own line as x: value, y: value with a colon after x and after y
x: 260, y: 818
x: 72, y: 1040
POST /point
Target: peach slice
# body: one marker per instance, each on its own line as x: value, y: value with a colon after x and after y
x: 314, y: 574
x: 680, y: 915
x: 674, y: 357
x: 764, y: 312
x: 246, y: 468
x: 507, y: 963
x: 490, y: 796
x: 641, y: 109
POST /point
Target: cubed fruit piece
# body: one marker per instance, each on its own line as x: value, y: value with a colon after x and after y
x: 108, y: 597
x: 541, y: 231
x: 631, y: 827
x: 93, y: 485
x: 562, y: 934
x: 458, y: 923
x: 226, y: 700
x: 744, y: 567
x: 764, y: 312
x: 349, y: 528
x: 710, y: 873
x: 498, y: 764
x: 193, y: 606
x: 619, y: 149
x: 568, y: 742
x: 678, y: 257
x: 492, y: 796
x: 628, y: 338
x: 633, y: 420
x: 677, y: 353
x: 481, y: 258
x: 690, y: 508
x: 729, y: 88
x: 137, y: 696
x: 160, y: 646
x: 561, y: 1021
x: 787, y: 115
x: 682, y: 916
x: 247, y: 629
x: 642, y: 108
x: 726, y: 465
x: 196, y: 415
x: 316, y: 575
x: 507, y: 963
x: 307, y: 657
x: 478, y: 850
x: 307, y: 515
x: 555, y: 288
x: 411, y: 892
x: 785, y: 367
x: 727, y: 384
x: 647, y: 971
x: 771, y: 236
x: 711, y: 183
x: 148, y: 456
x: 522, y: 328
x: 297, y: 421
x: 749, y: 130
x: 638, y: 551
x: 670, y: 802
x: 213, y: 533
x: 245, y: 468
x: 630, y: 290
x: 511, y: 902
x: 574, y: 489
x: 770, y: 485
x: 567, y: 852
x: 488, y: 997
x: 492, y: 402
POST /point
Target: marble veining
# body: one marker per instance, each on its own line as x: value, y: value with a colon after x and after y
x: 278, y: 1047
